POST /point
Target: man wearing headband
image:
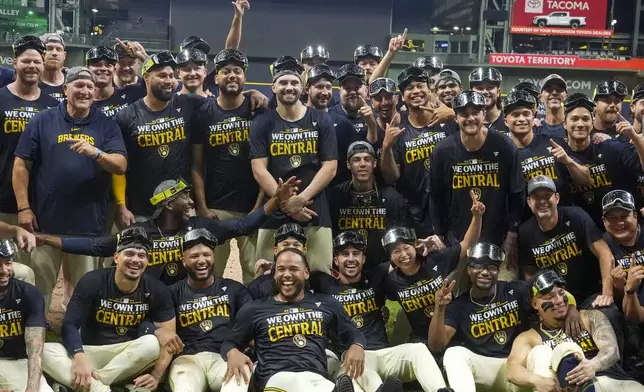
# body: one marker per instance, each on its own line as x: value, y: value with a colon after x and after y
x: 22, y: 328
x: 205, y: 305
x: 407, y: 148
x: 53, y: 78
x: 221, y: 172
x: 104, y: 339
x: 419, y: 272
x: 171, y: 219
x: 554, y: 91
x: 364, y: 205
x: 362, y: 295
x: 293, y: 140
x: 486, y: 163
x: 484, y: 320
x: 70, y: 151
x: 609, y: 96
x: 19, y: 102
x: 157, y: 130
x: 353, y: 104
x: 547, y: 359
x: 540, y: 153
x: 291, y: 330
x: 567, y: 240
x: 487, y: 82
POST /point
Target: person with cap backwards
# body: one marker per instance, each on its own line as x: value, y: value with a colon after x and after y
x: 19, y: 102
x: 567, y: 240
x: 67, y: 154
x: 291, y: 330
x: 421, y: 266
x: 169, y: 222
x: 319, y: 92
x: 540, y: 153
x: 484, y: 321
x: 365, y: 205
x: 314, y: 55
x: 608, y: 97
x: 487, y: 82
x: 448, y: 86
x: 407, y: 148
x: 548, y: 359
x: 362, y: 294
x: 206, y: 305
x: 157, y: 130
x: 554, y: 92
x: 294, y: 140
x: 353, y: 104
x: 221, y: 171
x: 53, y: 77
x: 105, y: 341
x: 23, y: 329
x: 486, y: 163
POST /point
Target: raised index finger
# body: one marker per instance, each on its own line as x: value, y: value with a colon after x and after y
x: 622, y: 117
x: 473, y: 196
x: 364, y: 102
x: 404, y: 34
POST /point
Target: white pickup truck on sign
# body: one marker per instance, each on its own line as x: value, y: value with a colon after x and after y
x: 561, y: 19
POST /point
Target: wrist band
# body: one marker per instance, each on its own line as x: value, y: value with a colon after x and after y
x: 24, y: 209
x: 99, y: 154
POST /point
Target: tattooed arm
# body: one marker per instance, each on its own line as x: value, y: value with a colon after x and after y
x: 34, y: 340
x: 604, y: 337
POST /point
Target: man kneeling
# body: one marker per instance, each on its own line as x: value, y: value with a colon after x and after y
x: 109, y: 306
x: 587, y: 362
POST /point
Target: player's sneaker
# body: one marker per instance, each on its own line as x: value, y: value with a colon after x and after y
x: 392, y: 384
x: 344, y: 384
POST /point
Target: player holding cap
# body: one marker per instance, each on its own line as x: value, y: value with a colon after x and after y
x: 22, y: 307
x: 205, y: 304
x: 487, y: 82
x: 587, y: 362
x: 291, y: 330
x: 362, y: 295
x: 105, y: 342
x: 554, y: 91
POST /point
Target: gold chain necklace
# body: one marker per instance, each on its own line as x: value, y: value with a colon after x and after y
x: 483, y: 305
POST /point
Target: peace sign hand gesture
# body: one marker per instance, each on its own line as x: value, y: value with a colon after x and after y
x: 444, y: 294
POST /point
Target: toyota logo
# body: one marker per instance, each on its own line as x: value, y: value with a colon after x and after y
x: 534, y: 3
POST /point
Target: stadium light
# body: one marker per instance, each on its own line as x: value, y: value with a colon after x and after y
x: 468, y: 28
x: 434, y: 28
x: 456, y: 28
x: 94, y: 10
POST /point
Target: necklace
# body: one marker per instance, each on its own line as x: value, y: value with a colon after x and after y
x: 483, y: 305
x: 555, y: 336
x: 164, y: 237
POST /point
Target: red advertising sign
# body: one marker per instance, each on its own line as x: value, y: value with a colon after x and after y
x: 586, y: 18
x: 554, y: 61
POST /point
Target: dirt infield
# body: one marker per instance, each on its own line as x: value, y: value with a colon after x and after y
x: 55, y: 315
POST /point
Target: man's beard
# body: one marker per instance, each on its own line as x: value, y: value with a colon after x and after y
x: 316, y: 101
x: 224, y: 90
x: 287, y: 102
x: 53, y: 65
x: 193, y: 275
x: 161, y: 94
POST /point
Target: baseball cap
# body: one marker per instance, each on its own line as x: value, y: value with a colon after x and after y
x: 578, y: 100
x: 410, y: 74
x: 7, y: 249
x: 546, y: 280
x: 199, y: 236
x: 348, y: 71
x: 165, y: 192
x: 194, y: 42
x: 76, y: 73
x: 52, y: 38
x: 447, y: 74
x: 618, y: 199
x: 638, y: 92
x: 539, y: 182
x: 520, y: 98
x: 468, y: 98
x: 382, y: 84
x: 160, y: 59
x: 485, y: 250
x: 27, y: 42
x: 611, y: 87
x: 398, y: 234
x: 367, y: 51
x: 347, y: 238
x: 133, y: 237
x: 317, y: 72
x: 230, y: 56
x: 358, y: 147
x: 290, y: 230
x: 553, y: 79
x: 313, y: 51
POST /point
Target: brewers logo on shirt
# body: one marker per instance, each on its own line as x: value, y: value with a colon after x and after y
x: 230, y: 131
x: 421, y: 295
x: 556, y: 251
x: 296, y: 324
x: 294, y: 141
x: 11, y: 324
x: 422, y: 146
x: 475, y: 173
x: 202, y: 310
x: 122, y: 313
x: 357, y: 303
x: 598, y: 178
x: 494, y: 319
x: 15, y: 120
x: 539, y: 166
x: 161, y: 133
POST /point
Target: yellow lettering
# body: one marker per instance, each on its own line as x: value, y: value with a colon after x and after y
x: 367, y: 223
x: 15, y: 126
x: 490, y: 180
x: 280, y: 332
x: 158, y: 138
x: 292, y: 148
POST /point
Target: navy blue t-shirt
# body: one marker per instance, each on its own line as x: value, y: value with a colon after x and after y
x: 6, y: 76
x: 23, y: 306
x: 69, y: 191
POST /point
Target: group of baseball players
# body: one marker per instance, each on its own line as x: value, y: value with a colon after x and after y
x: 506, y: 228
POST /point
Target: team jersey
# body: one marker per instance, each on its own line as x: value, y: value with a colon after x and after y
x: 15, y: 113
x: 627, y: 256
x: 55, y: 92
x: 292, y: 336
x: 105, y: 315
x: 370, y: 214
x: 488, y: 326
x: 204, y: 315
x: 566, y: 248
x: 21, y: 307
x: 362, y: 301
x: 120, y: 99
x: 416, y: 294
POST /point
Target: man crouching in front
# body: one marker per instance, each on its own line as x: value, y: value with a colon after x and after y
x: 114, y: 347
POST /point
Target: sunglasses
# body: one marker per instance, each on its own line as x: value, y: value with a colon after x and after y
x: 199, y: 236
x: 159, y: 59
x: 194, y: 55
x: 101, y: 53
x: 382, y: 84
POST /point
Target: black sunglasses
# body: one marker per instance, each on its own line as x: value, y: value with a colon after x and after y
x: 194, y: 55
x: 163, y: 58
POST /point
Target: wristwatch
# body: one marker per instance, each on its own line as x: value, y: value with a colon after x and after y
x: 629, y: 292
